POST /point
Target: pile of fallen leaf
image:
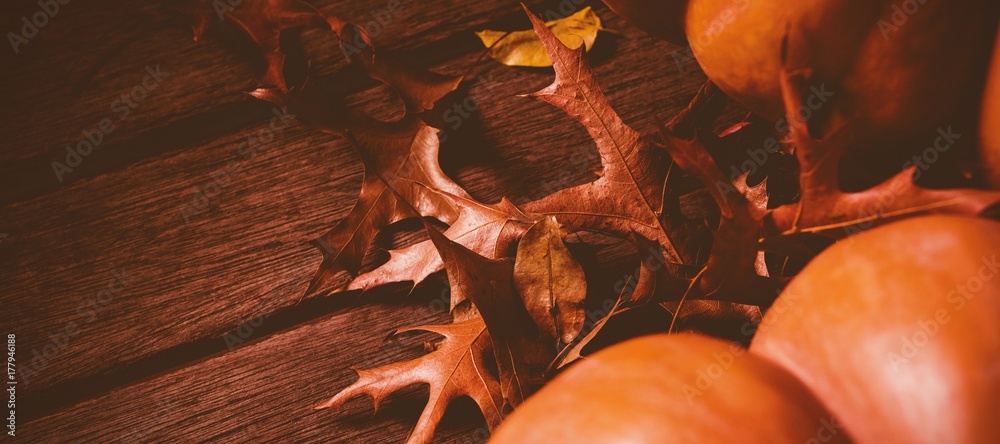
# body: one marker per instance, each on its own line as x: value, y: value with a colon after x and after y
x: 518, y: 294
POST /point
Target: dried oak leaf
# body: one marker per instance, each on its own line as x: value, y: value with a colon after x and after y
x: 733, y: 271
x: 262, y: 21
x: 523, y: 48
x: 488, y: 230
x: 419, y: 89
x: 518, y: 344
x: 395, y: 155
x: 630, y: 196
x: 550, y: 281
x: 458, y: 367
x: 824, y: 209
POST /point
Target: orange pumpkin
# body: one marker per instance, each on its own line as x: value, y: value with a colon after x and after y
x: 897, y: 331
x: 672, y: 388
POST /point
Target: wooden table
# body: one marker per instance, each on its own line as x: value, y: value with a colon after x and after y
x: 139, y: 321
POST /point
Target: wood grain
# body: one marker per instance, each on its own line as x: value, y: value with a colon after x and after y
x: 194, y: 279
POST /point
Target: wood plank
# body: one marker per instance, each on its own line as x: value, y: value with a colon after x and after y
x: 246, y: 254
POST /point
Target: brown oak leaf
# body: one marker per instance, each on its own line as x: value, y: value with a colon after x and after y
x: 637, y: 309
x: 458, y: 367
x: 519, y: 346
x: 631, y: 194
x: 395, y: 155
x: 733, y: 271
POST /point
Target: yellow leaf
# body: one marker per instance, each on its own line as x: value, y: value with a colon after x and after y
x: 523, y: 48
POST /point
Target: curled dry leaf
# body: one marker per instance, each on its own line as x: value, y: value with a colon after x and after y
x: 262, y: 21
x: 395, y: 155
x: 458, y: 367
x: 523, y: 48
x: 631, y: 194
x: 520, y: 349
x: 732, y: 272
x: 550, y: 281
